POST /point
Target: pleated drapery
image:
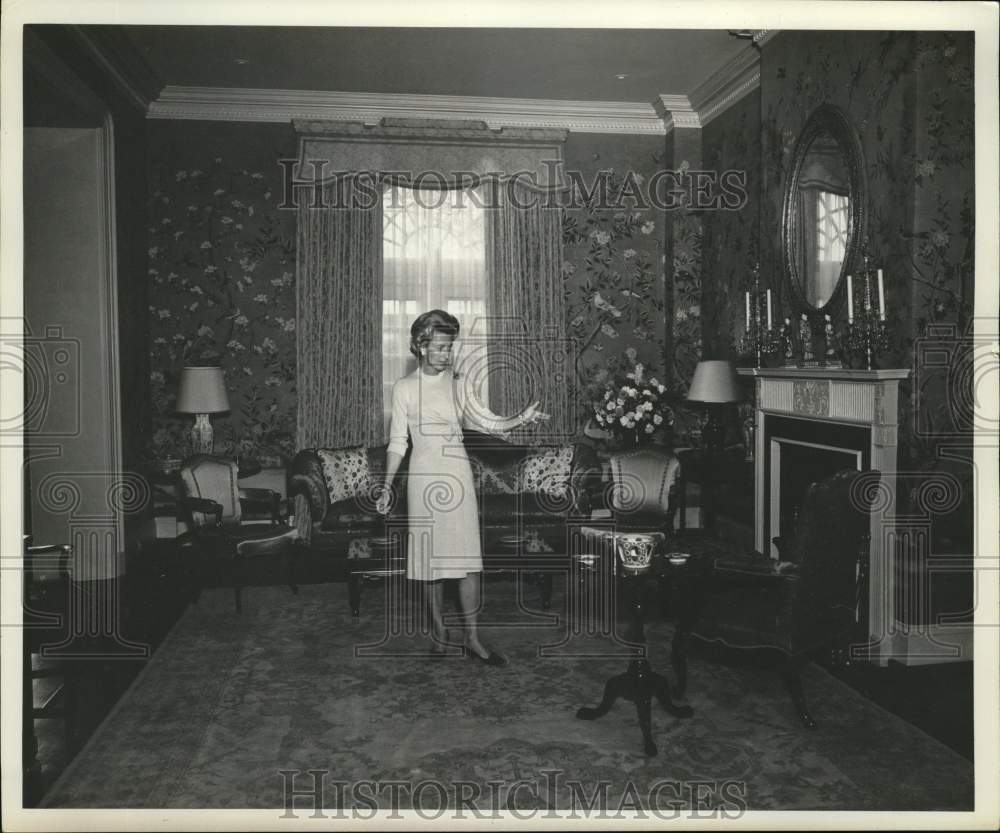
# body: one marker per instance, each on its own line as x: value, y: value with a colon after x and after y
x: 339, y: 302
x: 530, y: 357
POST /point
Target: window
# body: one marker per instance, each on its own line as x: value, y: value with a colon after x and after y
x: 433, y: 257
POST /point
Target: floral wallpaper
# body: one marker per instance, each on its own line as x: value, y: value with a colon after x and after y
x: 613, y: 269
x: 910, y: 97
x: 222, y: 290
x: 730, y: 248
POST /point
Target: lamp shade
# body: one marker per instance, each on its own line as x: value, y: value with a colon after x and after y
x: 202, y: 391
x: 714, y: 381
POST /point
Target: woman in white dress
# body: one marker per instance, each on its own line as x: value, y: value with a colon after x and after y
x: 430, y: 405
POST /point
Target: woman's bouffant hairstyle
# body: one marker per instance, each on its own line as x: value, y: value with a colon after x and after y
x: 423, y: 328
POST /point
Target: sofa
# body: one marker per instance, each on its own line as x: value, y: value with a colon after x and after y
x: 527, y: 491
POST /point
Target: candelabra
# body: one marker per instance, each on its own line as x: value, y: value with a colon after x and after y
x: 758, y: 337
x: 866, y: 332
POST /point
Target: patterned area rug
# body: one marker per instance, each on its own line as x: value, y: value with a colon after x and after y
x: 229, y: 703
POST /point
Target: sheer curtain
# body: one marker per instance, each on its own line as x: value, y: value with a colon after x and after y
x: 433, y: 257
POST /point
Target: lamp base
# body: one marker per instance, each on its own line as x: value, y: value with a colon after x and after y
x: 202, y: 441
x: 713, y: 433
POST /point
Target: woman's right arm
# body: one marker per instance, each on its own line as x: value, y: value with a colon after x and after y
x: 396, y: 450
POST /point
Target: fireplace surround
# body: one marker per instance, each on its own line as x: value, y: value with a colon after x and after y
x: 809, y: 422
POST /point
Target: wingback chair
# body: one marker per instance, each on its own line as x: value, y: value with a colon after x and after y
x: 808, y: 599
x: 644, y: 489
x: 214, y: 507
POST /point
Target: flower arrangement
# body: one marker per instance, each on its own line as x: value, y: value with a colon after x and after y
x: 633, y: 409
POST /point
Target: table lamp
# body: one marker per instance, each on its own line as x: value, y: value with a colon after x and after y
x: 714, y: 383
x: 202, y: 392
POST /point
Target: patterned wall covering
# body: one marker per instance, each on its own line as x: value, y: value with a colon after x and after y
x: 731, y: 141
x: 614, y: 260
x: 910, y: 97
x: 221, y: 282
x: 201, y: 303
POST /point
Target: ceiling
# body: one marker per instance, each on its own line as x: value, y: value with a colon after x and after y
x: 566, y: 64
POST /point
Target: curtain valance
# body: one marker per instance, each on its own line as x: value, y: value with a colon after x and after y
x: 430, y: 153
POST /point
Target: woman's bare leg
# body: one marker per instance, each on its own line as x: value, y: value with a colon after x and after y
x: 468, y: 594
x: 435, y: 599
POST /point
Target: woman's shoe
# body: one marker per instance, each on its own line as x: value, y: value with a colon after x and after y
x: 493, y: 658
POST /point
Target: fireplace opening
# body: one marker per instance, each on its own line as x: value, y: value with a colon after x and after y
x: 802, y: 452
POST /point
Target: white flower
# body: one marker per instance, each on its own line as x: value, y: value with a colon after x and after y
x: 694, y: 309
x: 205, y: 330
x: 610, y: 406
x: 657, y: 419
x: 180, y: 175
x: 197, y: 290
x: 193, y: 306
x: 261, y: 298
x: 272, y: 381
x: 276, y: 282
x: 256, y: 175
x: 233, y: 344
x: 609, y: 331
x: 152, y: 251
x: 603, y: 238
x: 647, y: 227
x: 631, y: 354
x: 660, y: 388
x: 624, y: 422
x: 241, y: 319
x: 208, y: 270
x: 649, y: 429
x: 628, y: 254
x: 218, y: 192
x: 289, y: 325
x: 619, y: 401
x: 163, y: 313
x: 205, y: 244
x: 227, y: 221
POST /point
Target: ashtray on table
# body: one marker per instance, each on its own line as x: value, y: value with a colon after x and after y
x: 678, y: 558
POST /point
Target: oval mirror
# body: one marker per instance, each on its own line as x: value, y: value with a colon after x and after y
x: 822, y: 217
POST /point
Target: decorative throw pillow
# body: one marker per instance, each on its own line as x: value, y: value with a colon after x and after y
x: 346, y: 472
x: 548, y: 471
x: 493, y: 479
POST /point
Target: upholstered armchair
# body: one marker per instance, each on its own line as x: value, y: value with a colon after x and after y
x: 644, y: 490
x: 215, y: 509
x: 807, y: 600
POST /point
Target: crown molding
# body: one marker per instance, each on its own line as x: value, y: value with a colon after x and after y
x: 676, y: 112
x: 731, y: 82
x: 282, y: 106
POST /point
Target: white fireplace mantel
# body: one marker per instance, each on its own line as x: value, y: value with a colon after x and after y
x: 867, y: 398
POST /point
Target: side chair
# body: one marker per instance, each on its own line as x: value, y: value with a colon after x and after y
x: 222, y: 529
x: 807, y: 600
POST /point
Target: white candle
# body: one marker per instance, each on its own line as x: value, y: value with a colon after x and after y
x: 881, y: 297
x: 748, y: 310
x: 850, y: 301
x: 769, y: 309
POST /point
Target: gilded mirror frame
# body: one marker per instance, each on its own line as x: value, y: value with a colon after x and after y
x: 832, y: 120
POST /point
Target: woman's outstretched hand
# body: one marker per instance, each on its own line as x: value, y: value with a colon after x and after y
x: 532, y: 415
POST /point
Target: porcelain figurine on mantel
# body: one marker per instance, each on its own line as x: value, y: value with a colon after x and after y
x: 805, y: 341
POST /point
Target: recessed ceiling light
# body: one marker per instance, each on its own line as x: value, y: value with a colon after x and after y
x: 622, y: 76
x: 241, y: 61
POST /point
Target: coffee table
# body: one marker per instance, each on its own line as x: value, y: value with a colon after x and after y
x: 523, y: 553
x: 373, y: 556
